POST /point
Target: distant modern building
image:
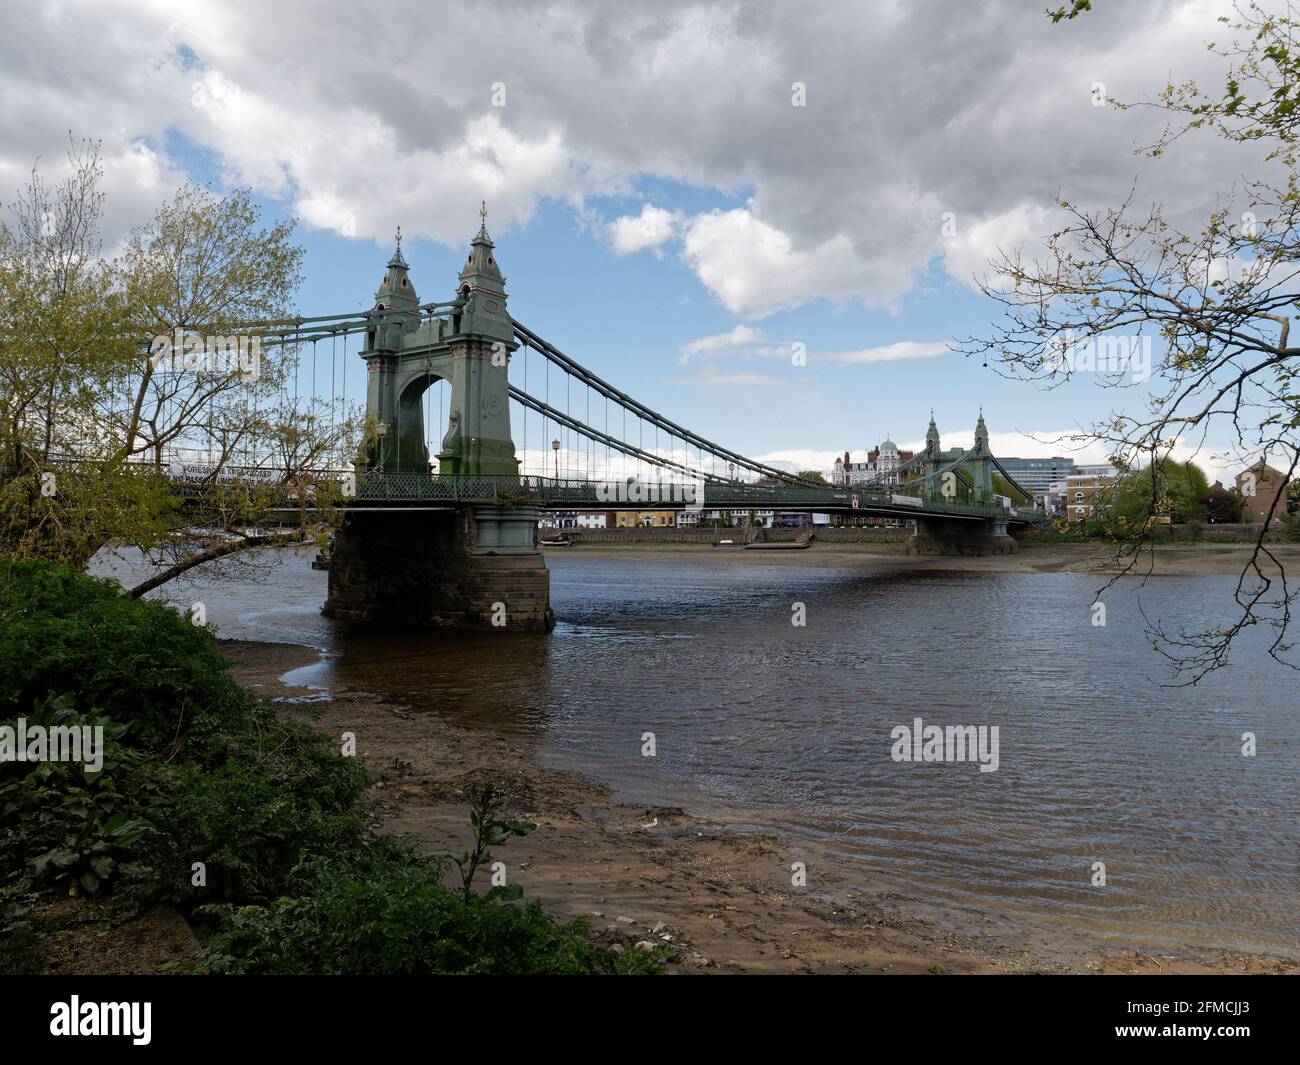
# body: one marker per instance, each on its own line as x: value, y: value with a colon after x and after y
x: 1036, y: 476
x: 1100, y: 469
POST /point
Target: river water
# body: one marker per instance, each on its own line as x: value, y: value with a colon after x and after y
x: 761, y: 723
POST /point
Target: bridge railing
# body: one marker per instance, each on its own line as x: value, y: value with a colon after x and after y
x: 1029, y: 514
x: 193, y: 478
x: 554, y: 492
x: 432, y: 487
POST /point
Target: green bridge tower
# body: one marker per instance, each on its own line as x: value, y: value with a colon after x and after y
x: 959, y: 475
x: 463, y: 565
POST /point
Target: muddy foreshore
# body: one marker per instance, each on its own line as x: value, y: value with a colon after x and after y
x: 723, y: 896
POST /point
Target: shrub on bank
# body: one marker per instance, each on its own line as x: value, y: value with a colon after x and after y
x: 381, y: 911
x: 197, y: 769
x: 1064, y: 534
x: 130, y: 660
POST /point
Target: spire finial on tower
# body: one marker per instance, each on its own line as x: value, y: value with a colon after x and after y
x: 397, y: 259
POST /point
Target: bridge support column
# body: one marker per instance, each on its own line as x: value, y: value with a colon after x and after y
x: 946, y: 536
x: 474, y: 567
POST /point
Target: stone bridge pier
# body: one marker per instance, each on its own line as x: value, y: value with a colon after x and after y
x: 472, y: 567
x: 950, y: 536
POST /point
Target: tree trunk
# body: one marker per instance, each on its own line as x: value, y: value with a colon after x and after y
x: 210, y: 555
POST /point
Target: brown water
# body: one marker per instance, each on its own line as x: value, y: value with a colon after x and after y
x: 760, y: 723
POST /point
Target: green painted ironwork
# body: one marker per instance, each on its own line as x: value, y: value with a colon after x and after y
x: 526, y: 336
x: 468, y: 341
x: 552, y: 493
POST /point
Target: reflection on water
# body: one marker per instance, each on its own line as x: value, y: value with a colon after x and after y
x: 762, y: 723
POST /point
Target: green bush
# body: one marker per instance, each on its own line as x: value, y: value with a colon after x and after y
x: 196, y: 769
x: 1066, y: 534
x: 384, y: 913
x: 127, y: 659
x: 66, y: 826
x: 257, y: 836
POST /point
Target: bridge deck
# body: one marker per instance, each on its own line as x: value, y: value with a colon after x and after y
x: 395, y: 489
x: 390, y: 490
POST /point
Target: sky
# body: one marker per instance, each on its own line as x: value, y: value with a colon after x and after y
x: 683, y: 195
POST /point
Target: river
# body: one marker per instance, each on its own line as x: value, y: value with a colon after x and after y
x: 761, y: 723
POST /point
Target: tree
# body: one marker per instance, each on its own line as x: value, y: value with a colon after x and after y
x: 1003, y: 487
x: 1077, y: 8
x: 1220, y: 300
x: 1175, y: 487
x: 120, y: 374
x: 204, y: 271
x: 1222, y: 506
x: 813, y: 475
x: 64, y: 339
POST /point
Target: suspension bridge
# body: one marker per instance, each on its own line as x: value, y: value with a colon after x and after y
x: 440, y: 525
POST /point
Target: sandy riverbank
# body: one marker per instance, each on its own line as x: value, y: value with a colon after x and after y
x: 1167, y: 559
x: 723, y: 895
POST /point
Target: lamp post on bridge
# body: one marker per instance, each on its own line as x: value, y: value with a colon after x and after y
x: 555, y: 446
x: 731, y: 474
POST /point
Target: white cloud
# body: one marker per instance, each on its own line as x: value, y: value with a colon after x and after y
x: 983, y: 111
x: 899, y: 351
x: 966, y: 254
x: 753, y: 268
x: 798, y: 459
x: 652, y: 228
x: 735, y: 338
